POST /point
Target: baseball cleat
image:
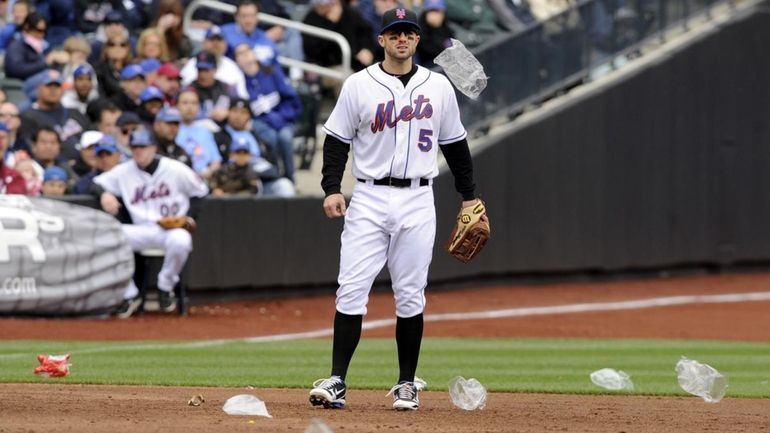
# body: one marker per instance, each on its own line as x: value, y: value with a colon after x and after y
x: 329, y: 393
x: 128, y: 307
x: 166, y: 301
x: 405, y: 396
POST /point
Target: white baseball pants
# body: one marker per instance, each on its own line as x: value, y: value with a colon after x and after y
x: 176, y: 242
x: 393, y: 225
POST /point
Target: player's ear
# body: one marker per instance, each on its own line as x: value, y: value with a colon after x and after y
x: 381, y: 40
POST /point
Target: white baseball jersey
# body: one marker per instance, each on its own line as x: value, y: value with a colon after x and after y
x: 148, y: 197
x: 395, y: 130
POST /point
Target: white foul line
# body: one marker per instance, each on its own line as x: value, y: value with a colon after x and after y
x: 476, y: 315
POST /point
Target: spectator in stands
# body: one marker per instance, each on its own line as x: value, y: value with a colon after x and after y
x: 245, y: 31
x: 54, y: 182
x: 166, y: 128
x: 48, y: 112
x: 79, y: 51
x: 512, y: 15
x: 196, y: 140
x: 152, y: 45
x: 333, y: 15
x: 106, y: 119
x: 91, y: 14
x: 113, y: 28
x: 275, y: 106
x: 46, y: 152
x: 9, y: 116
x: 87, y: 160
x: 11, y: 182
x: 150, y: 103
x: 28, y: 54
x: 472, y: 21
x: 147, y: 200
x: 107, y: 156
x: 115, y: 57
x: 236, y: 177
x: 169, y: 82
x: 372, y: 11
x: 263, y: 159
x: 214, y: 95
x: 26, y: 168
x: 132, y: 84
x: 435, y: 34
x: 150, y: 68
x: 83, y: 90
x: 19, y: 12
x: 126, y: 124
x: 288, y: 41
x: 227, y: 70
x: 169, y: 22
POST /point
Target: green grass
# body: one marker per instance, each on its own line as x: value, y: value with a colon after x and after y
x: 515, y: 365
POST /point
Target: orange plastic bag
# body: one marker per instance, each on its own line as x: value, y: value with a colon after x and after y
x: 53, y: 365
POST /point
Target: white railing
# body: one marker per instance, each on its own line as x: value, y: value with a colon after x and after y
x: 271, y: 19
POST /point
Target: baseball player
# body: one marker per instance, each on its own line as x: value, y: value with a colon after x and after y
x: 152, y: 187
x: 395, y: 115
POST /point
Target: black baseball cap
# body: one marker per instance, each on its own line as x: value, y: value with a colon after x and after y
x: 206, y: 60
x: 399, y: 17
x: 240, y: 103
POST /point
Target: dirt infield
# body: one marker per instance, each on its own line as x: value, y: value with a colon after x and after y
x: 81, y: 408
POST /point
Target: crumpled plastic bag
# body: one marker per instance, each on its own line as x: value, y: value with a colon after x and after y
x: 614, y: 380
x: 245, y: 404
x: 701, y: 380
x: 53, y: 365
x: 467, y: 394
x: 463, y: 69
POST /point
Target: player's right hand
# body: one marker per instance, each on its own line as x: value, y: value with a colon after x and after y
x: 110, y: 203
x: 334, y: 205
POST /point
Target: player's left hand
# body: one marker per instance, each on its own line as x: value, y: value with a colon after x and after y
x: 467, y: 203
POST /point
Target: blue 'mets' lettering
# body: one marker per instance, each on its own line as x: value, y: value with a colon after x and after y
x: 386, y: 116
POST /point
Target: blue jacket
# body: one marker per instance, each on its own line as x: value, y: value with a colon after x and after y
x: 272, y: 98
x: 264, y: 47
x: 22, y: 61
x: 7, y: 35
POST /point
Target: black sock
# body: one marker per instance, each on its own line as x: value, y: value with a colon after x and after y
x: 347, y: 333
x: 408, y: 339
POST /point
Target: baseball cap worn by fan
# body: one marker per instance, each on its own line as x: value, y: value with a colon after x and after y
x: 150, y: 65
x: 206, y: 60
x: 240, y: 103
x: 399, y: 17
x: 168, y: 70
x: 150, y: 93
x: 106, y: 144
x: 434, y: 5
x: 113, y: 17
x: 128, y: 118
x: 84, y: 69
x: 55, y: 173
x: 239, y: 144
x: 88, y: 139
x: 130, y: 72
x: 214, y: 32
x: 168, y: 115
x: 140, y: 137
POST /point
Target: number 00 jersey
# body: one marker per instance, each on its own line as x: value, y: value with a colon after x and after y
x: 395, y: 130
x: 148, y: 197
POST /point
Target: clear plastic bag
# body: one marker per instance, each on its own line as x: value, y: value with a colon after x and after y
x: 245, y: 404
x: 463, y: 69
x: 467, y: 394
x: 701, y: 380
x: 614, y: 380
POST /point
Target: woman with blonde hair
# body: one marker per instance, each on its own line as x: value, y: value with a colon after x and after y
x: 152, y: 45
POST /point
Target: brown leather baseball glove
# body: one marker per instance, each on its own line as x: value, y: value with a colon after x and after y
x: 470, y: 234
x: 178, y: 222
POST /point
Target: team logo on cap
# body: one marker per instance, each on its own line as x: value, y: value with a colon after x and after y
x: 401, y: 13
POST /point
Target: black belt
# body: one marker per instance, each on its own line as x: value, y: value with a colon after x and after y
x: 398, y: 183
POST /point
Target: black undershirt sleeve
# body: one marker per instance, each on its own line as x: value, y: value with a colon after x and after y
x: 458, y: 158
x: 335, y: 158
